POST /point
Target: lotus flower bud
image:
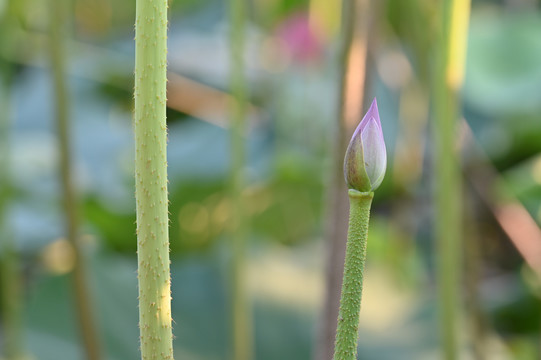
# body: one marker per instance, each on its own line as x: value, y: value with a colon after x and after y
x: 366, y: 158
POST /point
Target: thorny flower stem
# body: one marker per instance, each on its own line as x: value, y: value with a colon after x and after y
x: 352, y: 283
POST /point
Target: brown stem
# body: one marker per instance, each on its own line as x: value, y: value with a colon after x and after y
x: 352, y: 79
x: 58, y: 18
x: 472, y: 267
x: 241, y: 307
x: 9, y: 260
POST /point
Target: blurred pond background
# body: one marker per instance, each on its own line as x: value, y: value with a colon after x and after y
x: 292, y: 66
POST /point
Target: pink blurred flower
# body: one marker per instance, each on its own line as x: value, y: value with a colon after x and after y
x: 299, y: 39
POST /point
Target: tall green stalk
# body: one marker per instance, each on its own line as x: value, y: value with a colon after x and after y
x: 241, y: 313
x: 347, y: 331
x: 83, y: 302
x: 472, y: 262
x: 11, y: 292
x: 151, y: 180
x: 11, y: 302
x: 9, y: 257
x: 451, y: 48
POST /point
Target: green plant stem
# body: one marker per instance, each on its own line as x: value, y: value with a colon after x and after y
x: 11, y: 279
x: 472, y: 262
x: 11, y: 300
x: 241, y: 312
x: 9, y: 261
x: 449, y: 74
x: 58, y: 18
x: 347, y: 331
x: 151, y: 180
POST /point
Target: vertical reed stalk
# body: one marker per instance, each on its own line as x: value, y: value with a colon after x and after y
x: 83, y: 301
x: 151, y: 180
x: 9, y: 262
x: 11, y: 292
x: 352, y: 66
x: 11, y: 279
x: 241, y: 312
x: 472, y: 267
x: 451, y: 48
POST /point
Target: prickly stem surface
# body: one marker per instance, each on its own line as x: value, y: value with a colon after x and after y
x: 352, y: 283
x: 151, y: 180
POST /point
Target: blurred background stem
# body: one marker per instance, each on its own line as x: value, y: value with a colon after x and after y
x: 9, y: 258
x: 352, y: 70
x: 450, y: 49
x: 472, y: 267
x: 241, y: 309
x: 59, y: 10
